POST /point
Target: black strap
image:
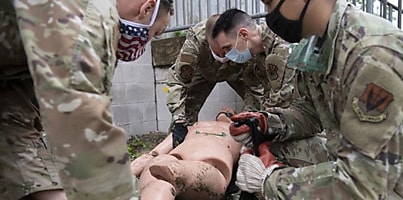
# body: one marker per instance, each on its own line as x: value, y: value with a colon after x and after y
x: 228, y: 114
x: 304, y: 10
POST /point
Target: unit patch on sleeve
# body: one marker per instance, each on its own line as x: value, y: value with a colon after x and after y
x: 272, y: 71
x: 371, y: 105
x: 186, y: 72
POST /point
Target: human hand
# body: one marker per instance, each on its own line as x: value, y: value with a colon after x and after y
x: 179, y: 133
x: 267, y: 158
x: 241, y: 131
x: 252, y: 170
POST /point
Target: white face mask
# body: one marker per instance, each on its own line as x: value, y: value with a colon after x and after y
x: 239, y: 57
x: 218, y: 58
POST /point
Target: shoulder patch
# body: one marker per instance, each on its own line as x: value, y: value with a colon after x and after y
x: 272, y: 71
x: 273, y: 63
x: 186, y: 72
x: 371, y: 105
x: 186, y: 58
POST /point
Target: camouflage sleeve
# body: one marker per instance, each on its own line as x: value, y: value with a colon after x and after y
x: 176, y: 96
x: 10, y: 43
x: 253, y: 98
x: 298, y: 120
x: 292, y: 115
x: 269, y: 38
x: 368, y: 144
x: 281, y: 78
x: 72, y: 71
x: 250, y: 86
x: 181, y: 74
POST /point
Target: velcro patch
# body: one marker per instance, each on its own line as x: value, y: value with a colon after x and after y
x: 186, y: 58
x: 371, y: 105
x: 186, y: 72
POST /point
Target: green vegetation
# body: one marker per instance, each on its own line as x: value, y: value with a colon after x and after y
x: 139, y: 144
x: 135, y: 147
x: 180, y: 33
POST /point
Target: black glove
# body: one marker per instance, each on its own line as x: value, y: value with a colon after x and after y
x: 179, y: 133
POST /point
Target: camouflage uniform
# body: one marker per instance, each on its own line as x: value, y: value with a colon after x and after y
x: 195, y: 73
x: 70, y: 51
x: 306, y: 146
x: 26, y: 165
x: 279, y: 81
x: 359, y: 102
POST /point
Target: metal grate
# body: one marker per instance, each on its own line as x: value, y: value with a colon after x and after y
x: 189, y: 12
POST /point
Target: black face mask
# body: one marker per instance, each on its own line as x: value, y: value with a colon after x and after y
x: 289, y: 30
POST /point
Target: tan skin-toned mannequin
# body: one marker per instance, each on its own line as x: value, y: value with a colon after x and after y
x: 199, y: 168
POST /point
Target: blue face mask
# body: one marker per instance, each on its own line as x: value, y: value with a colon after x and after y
x: 239, y: 57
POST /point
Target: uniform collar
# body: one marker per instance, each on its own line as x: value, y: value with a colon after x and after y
x: 267, y: 36
x: 333, y: 29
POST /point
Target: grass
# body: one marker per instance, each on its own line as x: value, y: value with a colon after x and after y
x: 139, y: 144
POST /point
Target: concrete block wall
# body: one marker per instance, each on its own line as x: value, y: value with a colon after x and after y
x: 133, y: 96
x: 139, y: 100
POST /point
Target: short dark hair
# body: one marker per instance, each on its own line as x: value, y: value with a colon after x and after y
x: 210, y: 24
x: 166, y: 5
x: 231, y: 20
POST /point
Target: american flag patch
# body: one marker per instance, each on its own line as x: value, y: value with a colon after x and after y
x: 132, y: 42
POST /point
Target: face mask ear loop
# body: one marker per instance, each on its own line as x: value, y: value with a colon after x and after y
x: 155, y: 13
x: 278, y: 6
x: 153, y: 18
x: 236, y: 41
x: 301, y: 16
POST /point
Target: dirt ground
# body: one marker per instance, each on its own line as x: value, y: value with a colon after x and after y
x: 140, y: 144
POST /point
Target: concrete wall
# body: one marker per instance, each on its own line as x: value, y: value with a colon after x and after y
x: 139, y: 100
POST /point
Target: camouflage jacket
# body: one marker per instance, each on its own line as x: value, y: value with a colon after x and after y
x: 14, y: 60
x: 358, y: 98
x: 70, y: 53
x: 195, y: 64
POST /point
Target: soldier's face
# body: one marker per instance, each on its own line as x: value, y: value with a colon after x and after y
x: 215, y: 48
x: 160, y: 24
x: 226, y: 42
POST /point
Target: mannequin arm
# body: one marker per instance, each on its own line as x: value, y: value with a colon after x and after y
x: 141, y: 162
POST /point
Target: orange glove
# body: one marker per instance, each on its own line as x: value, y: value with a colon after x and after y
x: 253, y: 171
x: 266, y: 156
x: 240, y: 130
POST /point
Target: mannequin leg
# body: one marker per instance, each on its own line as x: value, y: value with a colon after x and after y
x: 151, y: 187
x: 192, y: 179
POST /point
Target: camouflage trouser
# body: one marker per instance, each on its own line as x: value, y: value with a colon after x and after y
x: 70, y: 50
x: 26, y: 166
x: 302, y: 152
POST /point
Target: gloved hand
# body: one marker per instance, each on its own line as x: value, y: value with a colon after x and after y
x: 267, y: 158
x: 241, y: 131
x: 179, y: 133
x: 252, y: 170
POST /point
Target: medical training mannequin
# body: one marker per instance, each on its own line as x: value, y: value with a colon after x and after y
x: 199, y: 168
